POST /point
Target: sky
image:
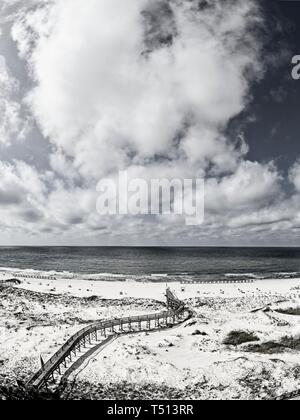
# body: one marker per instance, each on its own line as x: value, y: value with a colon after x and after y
x: 158, y: 88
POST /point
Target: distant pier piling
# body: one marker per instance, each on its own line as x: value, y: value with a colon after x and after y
x: 246, y: 281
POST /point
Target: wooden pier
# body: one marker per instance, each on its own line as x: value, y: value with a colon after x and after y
x: 99, y: 334
x: 248, y: 281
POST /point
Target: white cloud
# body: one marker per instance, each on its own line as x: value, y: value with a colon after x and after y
x: 252, y: 186
x: 22, y: 195
x: 12, y: 124
x: 109, y: 95
x: 147, y: 85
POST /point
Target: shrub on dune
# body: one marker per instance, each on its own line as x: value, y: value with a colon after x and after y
x: 238, y: 337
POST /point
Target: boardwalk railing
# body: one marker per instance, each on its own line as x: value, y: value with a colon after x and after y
x: 79, y: 341
x: 248, y: 281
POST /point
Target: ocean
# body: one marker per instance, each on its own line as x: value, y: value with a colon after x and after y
x: 153, y: 264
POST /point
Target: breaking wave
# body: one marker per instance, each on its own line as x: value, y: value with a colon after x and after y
x: 153, y: 277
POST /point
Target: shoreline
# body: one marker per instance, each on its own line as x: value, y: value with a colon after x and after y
x: 155, y: 290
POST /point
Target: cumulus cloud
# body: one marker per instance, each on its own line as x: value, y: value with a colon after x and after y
x: 22, y: 194
x: 118, y: 83
x: 144, y: 85
x: 252, y: 186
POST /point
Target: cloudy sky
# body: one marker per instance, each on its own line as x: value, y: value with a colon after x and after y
x: 160, y: 88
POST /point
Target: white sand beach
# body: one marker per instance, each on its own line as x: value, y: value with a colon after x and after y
x: 243, y: 342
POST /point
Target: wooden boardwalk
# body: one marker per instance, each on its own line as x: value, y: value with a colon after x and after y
x: 99, y: 333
